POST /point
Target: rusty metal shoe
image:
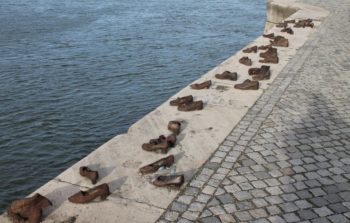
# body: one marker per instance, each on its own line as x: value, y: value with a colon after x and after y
x: 257, y: 71
x: 83, y: 197
x: 270, y: 60
x: 161, y: 144
x: 265, y: 47
x: 280, y: 41
x: 88, y: 173
x: 282, y: 25
x: 248, y: 85
x: 252, y: 49
x: 29, y: 209
x: 263, y: 74
x: 205, y: 84
x: 181, y: 100
x: 271, y: 52
x: 174, y: 127
x: 169, y: 181
x: 191, y: 106
x: 154, y: 167
x: 270, y: 36
x: 246, y: 61
x: 227, y: 75
x: 288, y: 30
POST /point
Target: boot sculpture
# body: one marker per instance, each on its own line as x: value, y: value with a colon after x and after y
x: 88, y: 173
x: 270, y: 56
x: 280, y: 41
x: 248, y: 85
x: 181, y: 100
x: 205, y: 84
x: 227, y: 75
x: 154, y: 167
x: 246, y: 61
x: 29, y: 209
x: 288, y: 30
x: 174, y: 127
x: 191, y: 106
x: 259, y: 74
x: 83, y: 197
x: 169, y: 181
x: 252, y: 49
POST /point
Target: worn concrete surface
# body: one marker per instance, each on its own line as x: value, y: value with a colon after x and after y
x: 133, y: 199
x: 288, y: 159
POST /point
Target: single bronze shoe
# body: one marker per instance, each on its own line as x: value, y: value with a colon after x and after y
x: 192, y: 106
x: 227, y: 75
x: 205, y: 84
x: 270, y: 36
x: 161, y: 144
x: 252, y: 49
x: 169, y: 181
x: 266, y: 47
x: 248, y: 85
x: 288, y: 30
x: 154, y: 167
x: 257, y: 71
x: 88, y: 173
x: 304, y: 23
x: 174, y: 127
x: 246, y: 61
x: 160, y: 139
x: 83, y: 197
x: 264, y: 74
x: 271, y: 52
x: 280, y: 41
x: 181, y: 100
x: 29, y: 209
x: 273, y: 60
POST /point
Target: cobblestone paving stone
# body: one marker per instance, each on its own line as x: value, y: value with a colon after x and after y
x: 288, y: 160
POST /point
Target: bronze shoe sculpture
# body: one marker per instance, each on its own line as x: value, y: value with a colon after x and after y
x: 83, y: 197
x: 29, y: 209
x: 288, y: 30
x: 252, y: 49
x: 248, y: 85
x: 169, y: 181
x: 266, y: 47
x: 205, y: 84
x: 161, y: 144
x: 282, y: 25
x: 257, y: 71
x: 273, y: 60
x: 174, y: 127
x: 280, y: 41
x: 246, y: 61
x: 181, y: 100
x: 227, y: 75
x: 88, y: 173
x: 270, y: 36
x: 262, y: 74
x: 304, y: 23
x: 154, y: 167
x: 271, y: 52
x: 191, y: 106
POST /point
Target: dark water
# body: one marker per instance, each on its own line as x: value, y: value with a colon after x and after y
x: 73, y: 74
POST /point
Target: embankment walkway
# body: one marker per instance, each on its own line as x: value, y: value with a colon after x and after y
x: 292, y: 147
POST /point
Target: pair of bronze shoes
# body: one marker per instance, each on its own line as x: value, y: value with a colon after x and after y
x: 163, y: 181
x: 200, y: 86
x: 270, y: 56
x: 28, y: 209
x: 252, y: 49
x: 186, y: 103
x: 262, y: 73
x: 304, y: 23
x: 246, y: 61
x: 83, y: 197
x: 161, y: 144
x: 227, y: 75
x: 279, y: 41
x: 248, y: 85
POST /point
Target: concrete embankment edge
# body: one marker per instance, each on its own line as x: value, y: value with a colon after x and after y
x: 133, y: 198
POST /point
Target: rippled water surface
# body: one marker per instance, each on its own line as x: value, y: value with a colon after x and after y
x: 73, y: 74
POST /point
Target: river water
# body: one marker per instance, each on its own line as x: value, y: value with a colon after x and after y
x: 73, y: 74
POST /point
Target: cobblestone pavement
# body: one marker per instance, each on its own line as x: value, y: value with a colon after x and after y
x: 288, y: 160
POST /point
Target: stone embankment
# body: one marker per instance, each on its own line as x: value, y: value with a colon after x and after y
x: 211, y: 143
